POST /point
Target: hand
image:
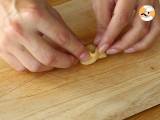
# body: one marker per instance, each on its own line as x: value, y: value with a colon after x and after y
x: 116, y: 16
x: 34, y: 37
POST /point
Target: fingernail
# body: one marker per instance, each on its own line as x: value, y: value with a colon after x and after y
x: 84, y: 56
x: 103, y: 48
x: 112, y: 51
x: 130, y: 50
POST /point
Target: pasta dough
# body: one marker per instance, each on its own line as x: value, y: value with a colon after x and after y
x: 94, y: 55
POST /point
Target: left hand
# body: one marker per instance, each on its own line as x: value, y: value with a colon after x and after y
x: 113, y: 16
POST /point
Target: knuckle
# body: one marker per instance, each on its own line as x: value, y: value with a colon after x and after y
x: 35, y: 67
x: 20, y: 69
x: 13, y: 28
x: 122, y: 43
x: 49, y: 60
x: 33, y: 12
x: 121, y: 46
x: 63, y: 38
x: 144, y: 46
x: 4, y: 44
x: 145, y: 30
x: 36, y: 11
x: 123, y: 19
x: 108, y: 40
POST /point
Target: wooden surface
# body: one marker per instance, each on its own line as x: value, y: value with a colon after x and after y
x: 151, y: 114
x: 111, y: 89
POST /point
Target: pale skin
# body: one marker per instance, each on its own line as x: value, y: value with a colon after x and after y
x: 113, y: 16
x: 33, y: 36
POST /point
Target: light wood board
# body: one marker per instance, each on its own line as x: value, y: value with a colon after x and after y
x: 112, y: 89
x: 150, y: 114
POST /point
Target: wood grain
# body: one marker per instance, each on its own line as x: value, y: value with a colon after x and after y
x: 111, y: 89
x: 151, y: 114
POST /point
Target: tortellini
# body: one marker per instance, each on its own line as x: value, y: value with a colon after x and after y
x: 94, y: 55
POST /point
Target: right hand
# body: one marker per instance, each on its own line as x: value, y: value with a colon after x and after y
x: 34, y: 37
x: 120, y: 28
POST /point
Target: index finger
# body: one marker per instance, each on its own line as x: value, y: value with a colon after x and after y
x: 123, y: 11
x: 63, y: 36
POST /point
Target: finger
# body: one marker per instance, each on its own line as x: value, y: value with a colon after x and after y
x: 55, y: 14
x: 146, y: 42
x: 103, y: 12
x: 62, y: 36
x: 27, y: 59
x: 139, y: 30
x: 123, y: 11
x: 54, y: 45
x: 12, y: 61
x: 151, y: 37
x: 41, y: 50
x: 46, y: 54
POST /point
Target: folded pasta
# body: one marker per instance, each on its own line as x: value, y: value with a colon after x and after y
x: 94, y: 55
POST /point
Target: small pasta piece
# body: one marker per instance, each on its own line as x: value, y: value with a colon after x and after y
x: 94, y: 55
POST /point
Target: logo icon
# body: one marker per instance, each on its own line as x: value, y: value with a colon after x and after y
x: 147, y: 13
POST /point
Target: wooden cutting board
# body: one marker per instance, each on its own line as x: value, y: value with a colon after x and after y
x: 112, y: 89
